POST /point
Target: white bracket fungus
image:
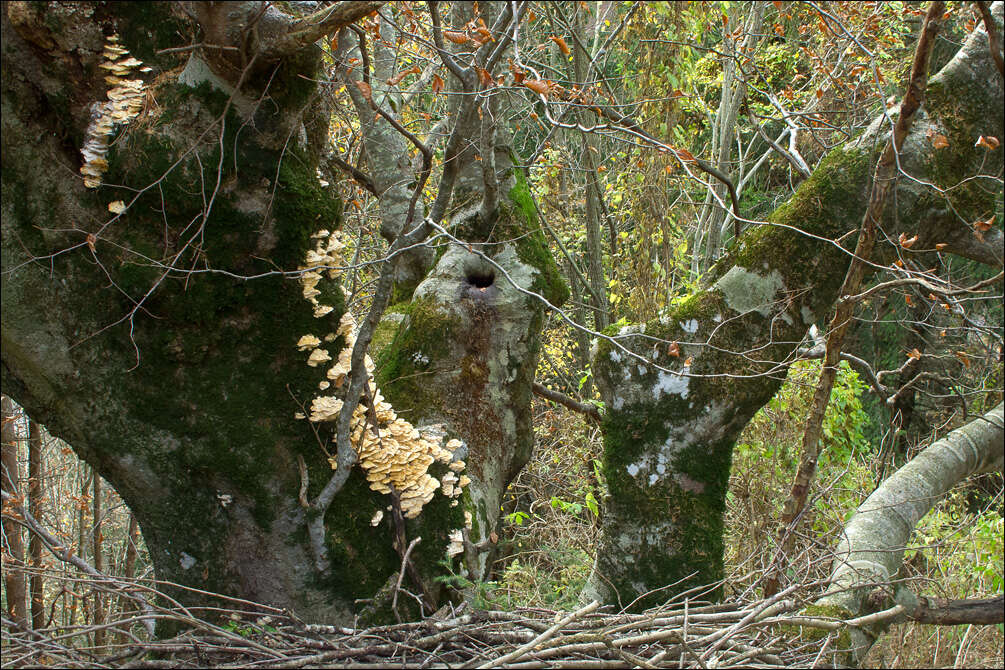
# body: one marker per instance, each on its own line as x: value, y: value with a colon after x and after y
x: 394, y: 455
x: 125, y: 101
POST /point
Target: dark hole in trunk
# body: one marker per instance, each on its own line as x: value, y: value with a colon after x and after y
x: 481, y: 278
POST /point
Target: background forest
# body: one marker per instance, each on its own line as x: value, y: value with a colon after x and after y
x: 652, y: 135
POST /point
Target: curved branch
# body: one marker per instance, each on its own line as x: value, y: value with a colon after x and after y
x: 874, y: 540
x: 589, y: 409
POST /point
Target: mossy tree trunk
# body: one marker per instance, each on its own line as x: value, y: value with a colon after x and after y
x: 466, y: 350
x: 161, y: 342
x: 674, y: 412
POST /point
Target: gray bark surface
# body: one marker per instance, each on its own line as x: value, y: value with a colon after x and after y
x: 873, y: 542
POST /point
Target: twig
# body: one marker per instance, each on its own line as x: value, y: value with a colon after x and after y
x: 401, y: 576
x: 520, y: 651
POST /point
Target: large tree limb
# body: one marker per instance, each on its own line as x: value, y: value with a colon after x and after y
x: 671, y: 422
x: 307, y: 30
x: 872, y: 546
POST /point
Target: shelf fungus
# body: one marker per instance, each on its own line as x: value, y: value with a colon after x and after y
x: 395, y: 456
x: 124, y: 103
x: 307, y: 342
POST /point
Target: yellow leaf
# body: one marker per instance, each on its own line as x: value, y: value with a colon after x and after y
x: 117, y: 207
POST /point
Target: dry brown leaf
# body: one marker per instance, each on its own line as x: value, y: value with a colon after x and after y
x: 396, y: 79
x: 538, y: 86
x: 685, y: 155
x: 562, y: 46
x: 990, y: 142
x: 365, y: 89
x: 455, y: 36
x: 484, y: 77
x: 674, y: 350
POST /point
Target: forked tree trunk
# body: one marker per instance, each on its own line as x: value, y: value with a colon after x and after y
x: 672, y: 418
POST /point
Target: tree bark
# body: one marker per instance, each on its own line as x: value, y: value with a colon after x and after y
x: 673, y: 414
x: 35, y: 507
x: 219, y: 184
x: 872, y: 545
x: 13, y: 545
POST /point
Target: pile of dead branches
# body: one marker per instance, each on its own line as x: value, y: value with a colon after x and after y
x: 680, y: 634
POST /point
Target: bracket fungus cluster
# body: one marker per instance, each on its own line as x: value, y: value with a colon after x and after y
x: 394, y: 454
x: 125, y: 101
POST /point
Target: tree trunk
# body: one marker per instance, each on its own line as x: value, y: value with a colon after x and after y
x: 35, y: 507
x: 672, y: 418
x: 13, y: 545
x: 872, y: 545
x: 161, y: 343
x: 170, y: 374
x: 98, y: 559
x: 594, y: 238
x: 467, y: 347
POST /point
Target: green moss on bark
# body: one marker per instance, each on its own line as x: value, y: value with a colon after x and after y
x: 405, y: 365
x: 531, y: 246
